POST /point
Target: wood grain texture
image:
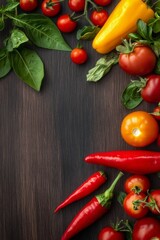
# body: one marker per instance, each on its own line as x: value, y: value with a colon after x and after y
x: 44, y: 139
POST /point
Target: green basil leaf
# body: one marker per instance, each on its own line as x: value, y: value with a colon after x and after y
x: 134, y: 36
x: 10, y: 6
x: 28, y: 66
x: 102, y: 67
x: 16, y: 39
x: 142, y: 29
x: 156, y: 47
x: 156, y: 26
x: 41, y: 31
x: 131, y: 96
x: 157, y: 7
x: 5, y: 66
x: 2, y: 23
x: 87, y: 32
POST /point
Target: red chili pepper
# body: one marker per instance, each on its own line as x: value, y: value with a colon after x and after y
x: 91, y: 212
x: 132, y: 161
x: 90, y: 185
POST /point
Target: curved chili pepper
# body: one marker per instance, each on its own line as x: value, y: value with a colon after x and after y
x: 132, y: 161
x: 90, y: 185
x: 91, y: 212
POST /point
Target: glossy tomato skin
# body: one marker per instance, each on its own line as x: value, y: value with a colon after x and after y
x: 50, y: 8
x: 154, y: 197
x: 79, y: 55
x: 150, y: 93
x: 99, y: 18
x: 146, y: 228
x: 139, y: 129
x: 76, y: 5
x: 140, y: 61
x: 133, y: 211
x: 137, y: 184
x: 28, y: 5
x: 109, y: 233
x: 66, y: 24
x: 103, y: 2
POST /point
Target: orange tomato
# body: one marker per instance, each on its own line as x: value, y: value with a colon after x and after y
x: 139, y: 129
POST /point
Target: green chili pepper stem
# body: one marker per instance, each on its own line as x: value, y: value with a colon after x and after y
x: 111, y: 188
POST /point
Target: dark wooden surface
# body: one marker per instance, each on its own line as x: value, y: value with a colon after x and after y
x: 44, y: 138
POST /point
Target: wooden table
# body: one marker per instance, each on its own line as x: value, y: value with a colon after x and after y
x: 45, y: 137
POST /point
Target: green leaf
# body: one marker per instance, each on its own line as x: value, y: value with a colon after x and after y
x: 134, y: 36
x: 120, y: 197
x: 156, y: 47
x: 41, y: 31
x: 2, y: 23
x: 102, y: 67
x: 156, y: 26
x: 87, y: 32
x: 9, y: 7
x: 17, y: 38
x: 28, y: 66
x: 157, y: 7
x: 143, y: 30
x: 131, y: 96
x: 5, y: 66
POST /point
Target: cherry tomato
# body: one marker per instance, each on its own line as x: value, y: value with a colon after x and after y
x: 98, y: 18
x: 140, y: 61
x: 103, y: 2
x: 139, y: 129
x: 137, y: 184
x: 133, y: 207
x: 50, y: 8
x: 66, y: 24
x: 150, y: 93
x: 109, y: 233
x: 156, y: 113
x: 28, y: 5
x: 76, y: 5
x: 146, y: 228
x: 154, y: 201
x: 79, y: 55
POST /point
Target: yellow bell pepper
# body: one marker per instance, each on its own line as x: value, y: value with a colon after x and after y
x: 121, y: 22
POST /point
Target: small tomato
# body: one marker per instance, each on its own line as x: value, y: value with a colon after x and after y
x: 66, y: 24
x: 139, y: 129
x: 156, y: 112
x: 28, y: 5
x: 109, y: 233
x: 133, y: 206
x: 137, y: 184
x: 154, y: 201
x: 50, y: 8
x: 103, y: 2
x: 76, y: 5
x: 98, y: 18
x: 79, y: 55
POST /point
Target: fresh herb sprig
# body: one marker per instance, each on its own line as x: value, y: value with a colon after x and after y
x: 18, y: 50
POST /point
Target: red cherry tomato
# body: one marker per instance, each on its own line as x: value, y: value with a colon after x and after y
x: 66, y: 24
x: 28, y: 5
x: 76, y: 5
x: 79, y: 55
x: 98, y: 18
x: 103, y: 2
x: 50, y: 8
x: 150, y: 92
x: 140, y: 61
x: 109, y: 233
x: 154, y: 201
x: 137, y: 184
x: 132, y: 205
x: 146, y: 228
x: 156, y: 113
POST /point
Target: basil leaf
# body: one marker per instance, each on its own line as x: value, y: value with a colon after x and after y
x: 156, y: 26
x: 16, y: 39
x: 10, y: 6
x: 143, y: 30
x: 87, y: 32
x: 102, y: 67
x: 157, y: 7
x: 134, y: 36
x: 156, y: 47
x: 131, y: 96
x: 28, y: 66
x: 5, y: 66
x: 41, y: 31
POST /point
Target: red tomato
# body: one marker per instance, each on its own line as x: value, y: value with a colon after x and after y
x: 79, y: 55
x: 50, y: 8
x: 150, y: 93
x: 98, y: 18
x: 109, y: 233
x: 146, y: 228
x: 103, y: 2
x: 28, y: 5
x: 140, y: 61
x: 133, y: 207
x: 76, y: 5
x: 154, y: 201
x: 66, y: 24
x: 156, y: 113
x: 137, y: 184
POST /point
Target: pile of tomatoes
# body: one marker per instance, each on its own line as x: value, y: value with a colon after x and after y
x: 68, y: 22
